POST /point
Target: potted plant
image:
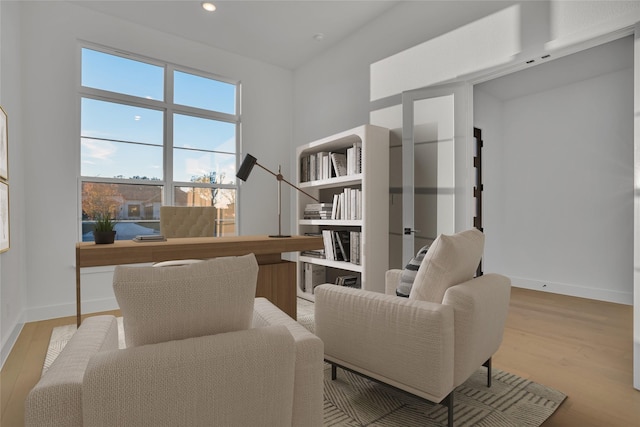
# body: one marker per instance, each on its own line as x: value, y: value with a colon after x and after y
x: 104, y: 228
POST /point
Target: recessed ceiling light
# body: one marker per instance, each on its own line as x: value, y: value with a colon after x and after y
x: 208, y: 6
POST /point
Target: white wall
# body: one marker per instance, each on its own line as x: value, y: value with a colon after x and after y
x: 13, y: 262
x: 558, y: 183
x: 331, y: 92
x: 50, y: 34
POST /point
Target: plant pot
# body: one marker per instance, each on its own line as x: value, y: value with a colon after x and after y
x: 104, y: 237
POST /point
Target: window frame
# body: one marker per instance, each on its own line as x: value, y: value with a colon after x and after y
x: 169, y: 109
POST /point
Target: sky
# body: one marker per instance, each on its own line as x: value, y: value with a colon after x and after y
x: 124, y: 140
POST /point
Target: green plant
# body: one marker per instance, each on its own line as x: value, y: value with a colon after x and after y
x: 103, y: 222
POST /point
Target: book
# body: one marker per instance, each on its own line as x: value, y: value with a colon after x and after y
x: 342, y: 237
x: 355, y: 247
x: 339, y: 162
x: 328, y: 245
x: 347, y: 280
x: 149, y: 238
x: 318, y: 253
x: 314, y: 275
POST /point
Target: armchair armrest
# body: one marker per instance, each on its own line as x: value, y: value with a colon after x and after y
x: 195, y: 381
x: 402, y: 342
x: 56, y: 400
x: 391, y: 281
x: 480, y: 306
x: 308, y: 399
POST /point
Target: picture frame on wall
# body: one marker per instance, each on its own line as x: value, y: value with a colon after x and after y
x: 4, y: 216
x: 4, y: 146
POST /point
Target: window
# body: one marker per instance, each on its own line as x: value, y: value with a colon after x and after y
x: 153, y: 133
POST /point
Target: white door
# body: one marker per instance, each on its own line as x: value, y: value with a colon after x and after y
x: 437, y: 164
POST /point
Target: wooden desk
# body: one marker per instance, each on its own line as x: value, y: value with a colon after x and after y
x: 276, y: 277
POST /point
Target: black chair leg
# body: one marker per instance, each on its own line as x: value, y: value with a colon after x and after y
x: 488, y: 365
x: 334, y: 372
x: 449, y: 403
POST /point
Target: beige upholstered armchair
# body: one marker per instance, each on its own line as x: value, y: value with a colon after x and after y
x: 426, y: 344
x: 201, y: 350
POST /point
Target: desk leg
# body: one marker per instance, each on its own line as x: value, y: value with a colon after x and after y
x: 78, y: 304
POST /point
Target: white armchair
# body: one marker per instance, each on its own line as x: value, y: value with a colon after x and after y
x: 422, y: 347
x: 181, y: 365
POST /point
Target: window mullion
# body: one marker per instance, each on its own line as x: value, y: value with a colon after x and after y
x: 168, y: 138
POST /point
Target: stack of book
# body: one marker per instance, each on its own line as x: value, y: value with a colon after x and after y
x: 316, y: 253
x: 318, y: 211
x: 349, y: 280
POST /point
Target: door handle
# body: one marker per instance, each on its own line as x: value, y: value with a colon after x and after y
x: 408, y: 231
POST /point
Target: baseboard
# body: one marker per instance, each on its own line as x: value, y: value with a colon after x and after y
x: 8, y: 344
x: 65, y: 310
x: 599, y: 294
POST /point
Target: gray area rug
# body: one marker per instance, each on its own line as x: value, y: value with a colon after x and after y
x: 354, y: 401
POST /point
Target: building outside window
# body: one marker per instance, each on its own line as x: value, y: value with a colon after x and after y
x: 154, y: 134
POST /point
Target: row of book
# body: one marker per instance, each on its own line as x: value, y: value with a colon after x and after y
x: 347, y: 205
x: 342, y: 245
x: 325, y: 164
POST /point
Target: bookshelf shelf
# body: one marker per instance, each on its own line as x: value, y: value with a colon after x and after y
x: 340, y: 181
x: 334, y: 264
x: 332, y: 222
x: 353, y: 168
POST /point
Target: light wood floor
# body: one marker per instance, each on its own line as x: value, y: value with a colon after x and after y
x: 578, y: 346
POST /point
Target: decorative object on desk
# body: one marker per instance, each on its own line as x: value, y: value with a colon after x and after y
x: 245, y: 170
x: 150, y: 238
x: 103, y: 229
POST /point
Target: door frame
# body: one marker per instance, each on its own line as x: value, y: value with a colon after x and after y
x: 462, y: 92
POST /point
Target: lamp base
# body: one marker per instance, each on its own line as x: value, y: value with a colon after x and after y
x: 278, y: 236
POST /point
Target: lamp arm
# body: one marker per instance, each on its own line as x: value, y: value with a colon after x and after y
x: 279, y: 177
x: 300, y: 190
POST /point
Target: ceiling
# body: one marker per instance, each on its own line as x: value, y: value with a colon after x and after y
x: 281, y: 33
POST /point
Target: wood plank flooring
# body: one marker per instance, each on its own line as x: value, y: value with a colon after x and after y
x: 578, y: 346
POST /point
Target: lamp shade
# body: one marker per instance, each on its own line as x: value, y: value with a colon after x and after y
x: 246, y: 167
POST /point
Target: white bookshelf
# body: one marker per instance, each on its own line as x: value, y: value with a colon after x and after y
x: 373, y: 214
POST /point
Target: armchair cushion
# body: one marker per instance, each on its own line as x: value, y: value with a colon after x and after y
x: 173, y: 303
x: 449, y: 261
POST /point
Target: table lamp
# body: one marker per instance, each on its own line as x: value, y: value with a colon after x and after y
x: 244, y: 172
